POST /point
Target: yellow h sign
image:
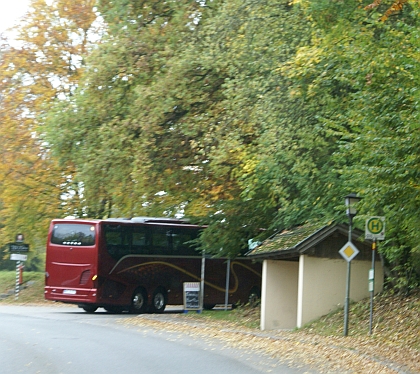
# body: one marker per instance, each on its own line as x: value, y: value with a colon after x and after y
x: 375, y: 228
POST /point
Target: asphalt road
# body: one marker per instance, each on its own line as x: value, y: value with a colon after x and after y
x: 55, y: 340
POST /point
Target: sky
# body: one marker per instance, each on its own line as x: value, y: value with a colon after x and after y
x: 11, y: 11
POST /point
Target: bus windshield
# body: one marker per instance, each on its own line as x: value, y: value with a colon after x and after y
x: 73, y: 234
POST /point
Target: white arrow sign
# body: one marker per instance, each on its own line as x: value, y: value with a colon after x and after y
x: 18, y: 257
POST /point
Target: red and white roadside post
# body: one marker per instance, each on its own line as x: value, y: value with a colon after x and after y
x: 17, y: 248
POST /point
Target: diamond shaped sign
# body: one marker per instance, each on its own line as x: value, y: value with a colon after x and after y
x: 349, y: 251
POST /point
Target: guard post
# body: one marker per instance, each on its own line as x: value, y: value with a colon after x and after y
x: 17, y: 248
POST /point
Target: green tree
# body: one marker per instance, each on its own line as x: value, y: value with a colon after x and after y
x: 113, y: 128
x: 364, y: 78
x: 250, y: 117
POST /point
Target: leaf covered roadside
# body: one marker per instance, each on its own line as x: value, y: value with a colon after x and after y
x: 394, y: 346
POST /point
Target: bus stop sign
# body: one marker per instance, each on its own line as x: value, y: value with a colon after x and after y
x: 18, y: 247
x: 375, y: 228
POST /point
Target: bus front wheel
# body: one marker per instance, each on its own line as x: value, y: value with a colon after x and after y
x: 159, y: 300
x: 114, y: 309
x: 89, y: 308
x: 139, y: 301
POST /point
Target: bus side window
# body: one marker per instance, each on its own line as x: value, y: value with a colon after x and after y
x: 113, y: 240
x: 160, y: 240
x: 117, y: 241
x: 139, y: 244
x: 181, y: 242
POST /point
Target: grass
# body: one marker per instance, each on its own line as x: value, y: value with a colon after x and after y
x: 31, y: 291
x: 396, y: 320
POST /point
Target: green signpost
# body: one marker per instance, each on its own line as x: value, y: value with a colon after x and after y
x: 374, y: 230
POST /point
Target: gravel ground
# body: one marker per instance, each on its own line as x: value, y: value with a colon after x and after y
x: 297, y: 348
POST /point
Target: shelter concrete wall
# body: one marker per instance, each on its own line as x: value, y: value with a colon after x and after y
x: 279, y: 294
x: 322, y: 285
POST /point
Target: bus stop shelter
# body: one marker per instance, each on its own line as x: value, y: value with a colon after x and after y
x: 304, y: 276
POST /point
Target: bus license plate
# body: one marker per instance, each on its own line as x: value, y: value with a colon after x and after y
x: 69, y: 292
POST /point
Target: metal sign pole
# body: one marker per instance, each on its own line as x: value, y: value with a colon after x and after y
x: 372, y: 286
x: 203, y: 269
x: 374, y: 230
x: 347, y: 299
x: 227, y: 283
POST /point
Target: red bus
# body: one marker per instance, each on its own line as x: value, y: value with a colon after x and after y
x: 138, y: 265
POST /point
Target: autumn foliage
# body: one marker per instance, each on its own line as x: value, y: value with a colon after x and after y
x: 40, y: 61
x: 251, y: 117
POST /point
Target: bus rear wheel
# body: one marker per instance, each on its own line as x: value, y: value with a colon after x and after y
x: 139, y: 301
x: 159, y: 300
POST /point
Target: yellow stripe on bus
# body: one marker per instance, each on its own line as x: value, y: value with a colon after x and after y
x: 234, y: 289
